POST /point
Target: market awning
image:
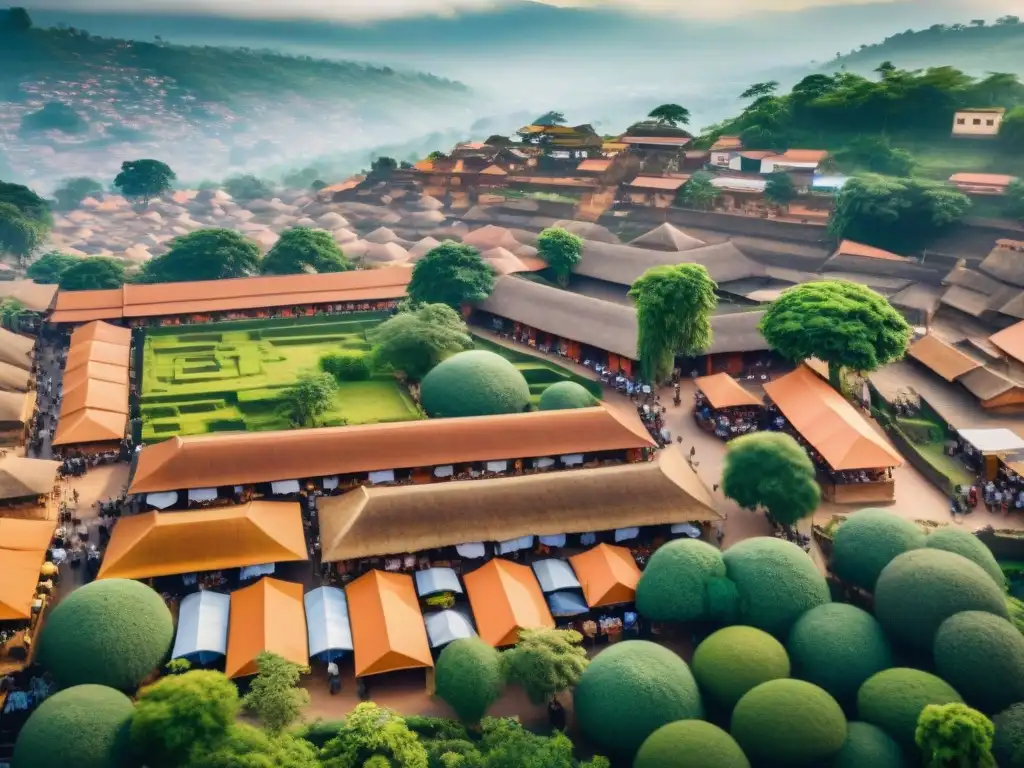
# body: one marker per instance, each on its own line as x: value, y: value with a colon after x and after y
x: 999, y: 441
x: 23, y: 545
x: 608, y: 575
x: 434, y: 580
x: 472, y: 550
x: 388, y: 633
x: 567, y: 604
x: 268, y: 616
x: 506, y: 598
x: 202, y: 634
x: 553, y: 575
x: 327, y: 623
x: 723, y: 391
x: 445, y: 627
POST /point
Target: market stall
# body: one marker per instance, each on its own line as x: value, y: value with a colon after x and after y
x: 266, y: 617
x: 506, y: 598
x: 722, y: 406
x: 388, y: 633
x: 202, y: 634
x: 328, y: 627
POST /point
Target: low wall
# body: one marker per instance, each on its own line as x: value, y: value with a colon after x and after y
x: 910, y: 453
x: 860, y: 493
x: 731, y: 223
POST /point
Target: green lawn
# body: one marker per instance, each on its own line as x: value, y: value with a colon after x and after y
x: 229, y: 376
x: 539, y: 373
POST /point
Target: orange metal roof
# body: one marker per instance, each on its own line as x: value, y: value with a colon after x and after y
x: 92, y: 370
x: 90, y: 426
x: 268, y: 616
x: 387, y: 625
x: 658, y: 183
x: 608, y: 575
x: 23, y: 545
x: 505, y: 598
x: 594, y: 165
x: 171, y: 543
x: 494, y: 170
x: 207, y: 461
x: 801, y: 156
x: 852, y: 248
x: 1011, y: 341
x: 727, y: 143
x: 723, y: 391
x: 989, y: 179
x: 98, y: 351
x: 663, y: 141
x: 829, y: 423
x: 100, y: 331
x: 550, y: 181
x: 94, y: 394
x: 938, y: 356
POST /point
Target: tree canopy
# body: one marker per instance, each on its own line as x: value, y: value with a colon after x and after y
x: 562, y: 250
x: 780, y: 188
x: 1011, y: 132
x: 72, y: 192
x: 844, y: 324
x: 371, y: 731
x: 206, y: 254
x: 144, y: 179
x: 95, y: 273
x: 19, y: 234
x: 452, y: 274
x: 1015, y: 199
x: 674, y: 306
x: 545, y: 662
x: 670, y: 114
x: 274, y: 696
x: 302, y: 249
x: 877, y: 155
x: 309, y: 398
x: 414, y: 342
x: 49, y: 267
x: 31, y: 205
x: 550, y: 118
x: 469, y: 677
x: 955, y: 736
x: 246, y: 187
x: 698, y: 192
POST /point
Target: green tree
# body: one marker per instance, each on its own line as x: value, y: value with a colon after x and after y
x: 54, y: 116
x: 206, y: 254
x: 274, y: 696
x: 876, y: 154
x: 670, y: 114
x: 955, y: 736
x: 144, y: 179
x: 1011, y: 132
x: 760, y: 90
x: 309, y: 398
x: 545, y: 662
x: 771, y: 470
x: 562, y: 250
x: 95, y: 273
x: 673, y: 307
x: 72, y: 192
x: 437, y: 155
x: 181, y: 713
x: 469, y: 677
x: 19, y: 235
x: 346, y: 366
x: 11, y: 311
x: 48, y: 268
x: 780, y: 188
x: 302, y: 249
x: 371, y: 731
x: 414, y: 342
x: 246, y: 187
x: 31, y: 205
x: 550, y: 118
x: 382, y: 167
x: 698, y: 192
x: 245, y: 746
x: 845, y: 324
x: 1014, y: 202
x: 16, y: 20
x: 1008, y: 21
x: 452, y: 274
x: 505, y: 743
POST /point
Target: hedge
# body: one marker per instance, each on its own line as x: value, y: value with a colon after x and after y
x: 970, y: 546
x: 982, y: 656
x: 920, y: 589
x: 868, y: 746
x: 690, y: 744
x: 468, y: 677
x: 474, y: 383
x: 893, y: 700
x: 113, y: 632
x: 733, y: 660
x: 867, y: 541
x: 777, y: 582
x: 1008, y: 744
x: 85, y: 726
x: 565, y: 395
x: 629, y: 691
x: 838, y: 646
x: 672, y: 586
x: 788, y: 723
x: 346, y: 366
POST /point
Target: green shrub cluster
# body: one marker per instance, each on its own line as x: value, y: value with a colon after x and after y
x: 690, y: 744
x: 469, y: 677
x: 867, y: 541
x: 474, y: 383
x: 966, y: 544
x: 673, y: 585
x: 1008, y: 744
x: 734, y: 660
x: 346, y: 366
x: 565, y: 395
x: 893, y: 700
x: 868, y: 746
x: 982, y: 656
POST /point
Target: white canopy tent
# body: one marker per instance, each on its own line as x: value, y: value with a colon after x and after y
x: 444, y: 471
x: 445, y: 627
x: 572, y: 459
x: 993, y: 441
x: 162, y: 500
x: 687, y: 529
x: 327, y: 623
x: 625, y: 534
x: 382, y: 476
x: 330, y: 483
x: 557, y: 540
x: 434, y: 580
x: 554, y: 575
x: 567, y: 604
x: 514, y: 545
x: 247, y: 572
x: 497, y: 466
x: 202, y: 627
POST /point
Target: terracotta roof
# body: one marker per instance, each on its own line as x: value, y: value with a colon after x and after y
x: 554, y: 181
x: 986, y: 384
x: 100, y: 331
x: 662, y: 141
x: 95, y: 394
x: 424, y: 165
x: 657, y: 182
x: 938, y: 356
x: 723, y: 391
x: 90, y: 426
x: 371, y: 522
x: 506, y: 598
x: 92, y: 370
x: 206, y: 461
x: 23, y: 546
x: 851, y: 248
x: 387, y: 625
x: 1006, y: 262
x: 594, y: 165
x: 268, y: 616
x: 37, y: 297
x: 829, y: 423
x: 983, y: 179
x: 800, y: 156
x: 82, y: 306
x: 607, y: 574
x: 1011, y: 341
x: 494, y: 170
x: 16, y: 349
x: 727, y: 143
x: 350, y: 183
x: 21, y: 477
x: 172, y: 543
x: 614, y: 146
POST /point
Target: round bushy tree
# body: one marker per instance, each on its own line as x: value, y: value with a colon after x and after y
x: 867, y: 541
x: 893, y: 700
x: 967, y: 545
x: 788, y: 723
x: 564, y: 395
x: 629, y: 691
x: 777, y: 582
x: 112, y: 632
x: 837, y: 647
x: 1008, y: 743
x: 919, y: 590
x: 469, y: 678
x: 690, y: 744
x: 868, y: 746
x: 733, y: 660
x: 85, y: 726
x: 982, y: 656
x: 673, y: 585
x: 474, y: 383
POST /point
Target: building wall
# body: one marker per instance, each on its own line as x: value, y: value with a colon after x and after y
x: 977, y: 123
x: 731, y: 224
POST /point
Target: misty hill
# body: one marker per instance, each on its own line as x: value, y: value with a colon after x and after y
x: 971, y: 47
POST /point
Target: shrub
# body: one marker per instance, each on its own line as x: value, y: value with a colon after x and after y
x: 788, y: 723
x: 777, y: 582
x: 733, y: 660
x: 1008, y: 744
x: 346, y: 366
x: 982, y: 656
x: 113, y: 632
x: 690, y: 744
x: 893, y: 700
x: 320, y: 731
x: 474, y: 383
x: 629, y: 691
x: 85, y: 726
x: 469, y: 678
x: 672, y: 586
x: 868, y: 746
x: 837, y: 647
x: 967, y: 545
x: 565, y: 395
x: 868, y: 541
x: 920, y: 589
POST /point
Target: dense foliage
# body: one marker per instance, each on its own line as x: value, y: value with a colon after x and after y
x: 690, y: 744
x: 867, y: 541
x: 144, y: 179
x: 309, y: 398
x: 474, y: 383
x: 452, y: 274
x: 72, y: 192
x: 1008, y: 744
x: 563, y: 395
x: 246, y: 187
x: 206, y: 254
x: 869, y: 745
x: 468, y: 676
x: 346, y: 366
x: 414, y: 342
x: 954, y: 735
x: 894, y: 699
x: 982, y: 656
x: 545, y: 662
x: 49, y: 267
x: 93, y: 273
x: 25, y: 220
x: 673, y: 586
x: 734, y: 660
x: 966, y: 544
x: 370, y: 731
x: 303, y: 250
x: 54, y: 116
x: 562, y: 250
x: 274, y: 696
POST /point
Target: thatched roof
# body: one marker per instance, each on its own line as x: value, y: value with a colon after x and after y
x: 14, y: 379
x: 985, y: 384
x: 667, y: 238
x: 16, y: 407
x: 21, y: 477
x: 1005, y: 262
x: 34, y: 296
x: 623, y: 264
x: 371, y: 522
x: 16, y: 349
x: 588, y: 230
